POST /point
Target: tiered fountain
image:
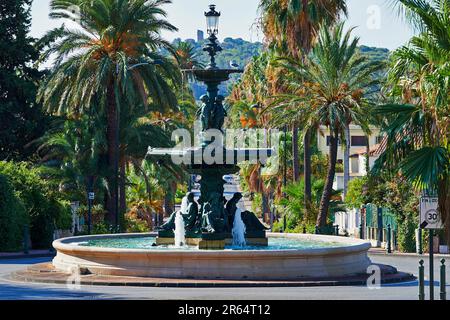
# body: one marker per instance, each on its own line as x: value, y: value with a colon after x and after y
x: 210, y: 224
x: 237, y: 244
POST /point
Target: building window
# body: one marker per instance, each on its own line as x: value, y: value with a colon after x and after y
x: 359, y: 141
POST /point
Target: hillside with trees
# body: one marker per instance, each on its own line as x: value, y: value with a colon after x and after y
x: 242, y: 52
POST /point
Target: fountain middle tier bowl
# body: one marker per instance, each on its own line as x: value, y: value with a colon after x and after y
x: 288, y: 257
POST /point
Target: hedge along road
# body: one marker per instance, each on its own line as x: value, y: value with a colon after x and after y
x: 11, y: 290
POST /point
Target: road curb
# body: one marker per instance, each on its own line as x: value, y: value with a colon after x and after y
x: 45, y: 273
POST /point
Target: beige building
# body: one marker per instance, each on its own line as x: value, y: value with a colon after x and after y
x: 358, y: 145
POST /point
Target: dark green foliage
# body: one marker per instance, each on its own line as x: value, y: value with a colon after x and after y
x: 21, y: 119
x: 43, y: 207
x: 397, y: 194
x: 12, y: 217
x: 406, y: 233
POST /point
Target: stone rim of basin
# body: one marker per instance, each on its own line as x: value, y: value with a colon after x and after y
x: 349, y: 244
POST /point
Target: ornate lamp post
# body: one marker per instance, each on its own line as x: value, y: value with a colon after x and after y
x: 212, y: 27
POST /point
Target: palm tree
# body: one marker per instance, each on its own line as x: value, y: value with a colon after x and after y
x: 71, y: 153
x: 186, y: 56
x: 293, y: 24
x: 329, y: 88
x: 417, y: 126
x: 111, y: 58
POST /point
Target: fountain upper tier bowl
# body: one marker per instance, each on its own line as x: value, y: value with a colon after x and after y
x: 288, y: 257
x: 196, y: 155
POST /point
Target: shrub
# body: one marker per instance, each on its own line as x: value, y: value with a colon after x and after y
x: 406, y: 236
x: 135, y: 225
x: 13, y: 217
x: 42, y: 204
x: 355, y: 194
x: 101, y: 228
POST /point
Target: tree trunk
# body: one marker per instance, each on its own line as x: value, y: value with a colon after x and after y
x: 367, y: 156
x: 122, y: 190
x: 307, y: 170
x: 328, y: 188
x: 112, y: 136
x: 295, y: 156
x: 346, y: 160
x: 169, y: 205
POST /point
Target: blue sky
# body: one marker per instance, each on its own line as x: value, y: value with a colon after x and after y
x: 376, y: 22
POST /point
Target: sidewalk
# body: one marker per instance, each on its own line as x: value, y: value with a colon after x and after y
x: 31, y: 254
x: 381, y: 251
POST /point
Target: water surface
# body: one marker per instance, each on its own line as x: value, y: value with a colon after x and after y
x: 148, y: 243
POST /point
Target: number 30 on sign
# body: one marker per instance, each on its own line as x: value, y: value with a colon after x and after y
x: 429, y: 215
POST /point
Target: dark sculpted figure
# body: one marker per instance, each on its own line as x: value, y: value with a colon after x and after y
x: 219, y: 113
x: 190, y: 216
x: 206, y: 112
x: 231, y: 208
x: 213, y: 217
x: 252, y: 223
x: 212, y: 113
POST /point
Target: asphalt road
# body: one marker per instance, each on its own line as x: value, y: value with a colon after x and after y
x: 10, y: 290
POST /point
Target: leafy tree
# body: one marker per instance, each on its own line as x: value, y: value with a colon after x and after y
x: 41, y: 199
x: 112, y: 60
x: 291, y: 27
x: 13, y: 217
x: 416, y: 123
x: 21, y: 118
x: 331, y: 89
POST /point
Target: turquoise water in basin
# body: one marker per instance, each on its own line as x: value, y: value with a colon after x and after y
x: 147, y: 243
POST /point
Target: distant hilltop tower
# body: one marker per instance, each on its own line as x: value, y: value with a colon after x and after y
x: 200, y: 35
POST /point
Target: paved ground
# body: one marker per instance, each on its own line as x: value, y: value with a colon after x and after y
x: 14, y: 290
x: 404, y: 291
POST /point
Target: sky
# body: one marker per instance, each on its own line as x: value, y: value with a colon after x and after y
x: 376, y: 22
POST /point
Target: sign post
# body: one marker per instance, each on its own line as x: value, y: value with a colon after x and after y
x: 430, y: 219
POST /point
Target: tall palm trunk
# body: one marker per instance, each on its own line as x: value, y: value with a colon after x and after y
x: 307, y: 170
x: 122, y: 188
x: 295, y: 155
x: 112, y: 136
x: 346, y: 159
x: 367, y: 155
x: 169, y: 205
x: 328, y: 189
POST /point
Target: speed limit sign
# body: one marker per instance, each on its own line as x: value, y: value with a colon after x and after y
x: 429, y: 215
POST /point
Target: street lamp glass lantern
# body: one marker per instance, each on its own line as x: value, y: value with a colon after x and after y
x: 212, y: 20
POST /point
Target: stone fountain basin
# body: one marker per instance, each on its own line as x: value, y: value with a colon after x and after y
x: 330, y: 262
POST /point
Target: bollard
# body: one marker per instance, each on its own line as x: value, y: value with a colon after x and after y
x: 419, y: 235
x: 442, y: 282
x: 431, y: 263
x: 284, y: 223
x: 336, y: 227
x: 388, y: 239
x: 361, y: 231
x: 421, y: 281
x: 316, y: 230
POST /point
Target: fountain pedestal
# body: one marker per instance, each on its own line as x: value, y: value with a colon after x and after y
x: 210, y: 241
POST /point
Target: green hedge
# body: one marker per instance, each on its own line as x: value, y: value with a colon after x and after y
x: 44, y: 209
x: 13, y: 217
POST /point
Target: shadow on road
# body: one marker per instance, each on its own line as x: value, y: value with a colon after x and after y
x: 25, y: 261
x: 20, y: 292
